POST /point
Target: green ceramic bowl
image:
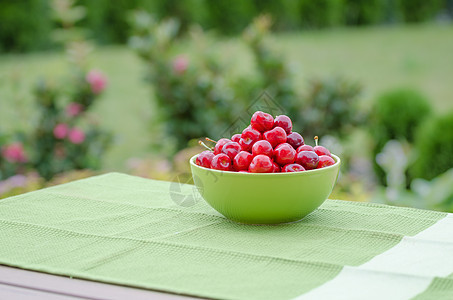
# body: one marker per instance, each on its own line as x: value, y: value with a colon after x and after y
x: 269, y: 198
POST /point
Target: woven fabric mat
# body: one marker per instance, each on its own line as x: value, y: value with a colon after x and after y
x: 132, y: 231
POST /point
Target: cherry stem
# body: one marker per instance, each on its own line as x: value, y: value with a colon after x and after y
x: 316, y: 140
x: 210, y: 140
x: 204, y: 145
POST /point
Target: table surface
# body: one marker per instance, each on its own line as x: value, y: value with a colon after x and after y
x: 24, y: 284
x: 117, y: 236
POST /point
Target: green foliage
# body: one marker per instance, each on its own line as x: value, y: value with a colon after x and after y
x: 330, y: 108
x: 273, y: 72
x: 362, y: 12
x: 24, y: 25
x: 396, y: 115
x: 321, y: 13
x: 194, y: 98
x: 230, y: 16
x: 420, y: 10
x: 434, y: 146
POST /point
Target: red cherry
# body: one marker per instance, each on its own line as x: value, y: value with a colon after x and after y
x: 243, y: 171
x: 236, y: 137
x: 305, y: 148
x: 295, y: 140
x: 262, y: 121
x: 262, y: 147
x: 284, y: 154
x: 241, y: 162
x: 325, y: 161
x: 276, y: 167
x: 275, y: 136
x: 221, y: 162
x: 219, y: 145
x: 308, y: 159
x: 231, y: 149
x: 248, y: 137
x: 261, y: 164
x: 284, y: 122
x: 204, y: 159
x: 292, y: 168
x: 320, y: 150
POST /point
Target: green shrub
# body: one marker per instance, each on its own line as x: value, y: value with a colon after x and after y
x: 330, y: 108
x: 273, y: 72
x: 24, y: 25
x: 193, y: 97
x: 363, y: 12
x: 420, y: 10
x: 285, y: 13
x: 230, y: 16
x: 434, y: 146
x: 396, y: 115
x: 321, y: 13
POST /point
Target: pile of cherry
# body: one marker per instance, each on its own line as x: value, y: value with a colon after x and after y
x: 268, y: 145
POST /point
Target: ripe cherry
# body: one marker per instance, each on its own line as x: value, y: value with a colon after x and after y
x: 284, y: 154
x: 308, y: 159
x: 219, y: 145
x: 262, y: 147
x: 241, y: 162
x: 204, y: 159
x: 292, y: 168
x: 275, y: 136
x: 305, y: 148
x: 262, y: 121
x: 325, y: 161
x: 276, y: 167
x: 295, y: 140
x: 284, y: 122
x: 261, y: 164
x: 221, y: 162
x: 248, y: 137
x: 231, y: 149
x: 320, y: 150
x: 236, y: 137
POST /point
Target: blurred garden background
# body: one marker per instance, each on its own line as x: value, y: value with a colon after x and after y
x: 88, y: 87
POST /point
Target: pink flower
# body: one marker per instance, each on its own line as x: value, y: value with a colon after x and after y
x: 73, y: 109
x: 61, y: 131
x: 97, y: 81
x: 76, y: 135
x: 14, y: 153
x: 180, y: 64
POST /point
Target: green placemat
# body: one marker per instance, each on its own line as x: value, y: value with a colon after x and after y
x: 122, y: 229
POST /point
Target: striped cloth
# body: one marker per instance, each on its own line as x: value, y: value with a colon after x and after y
x: 132, y: 231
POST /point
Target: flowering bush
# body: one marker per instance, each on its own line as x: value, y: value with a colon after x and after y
x: 13, y: 158
x: 193, y: 96
x: 196, y: 97
x: 64, y: 135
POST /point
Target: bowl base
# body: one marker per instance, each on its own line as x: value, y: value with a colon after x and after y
x: 265, y: 224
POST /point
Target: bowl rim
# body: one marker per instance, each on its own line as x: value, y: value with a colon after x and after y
x: 318, y: 171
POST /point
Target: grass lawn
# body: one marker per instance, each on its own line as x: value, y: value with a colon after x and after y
x: 379, y: 58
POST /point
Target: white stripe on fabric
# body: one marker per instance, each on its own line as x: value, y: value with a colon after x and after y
x: 401, y: 272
